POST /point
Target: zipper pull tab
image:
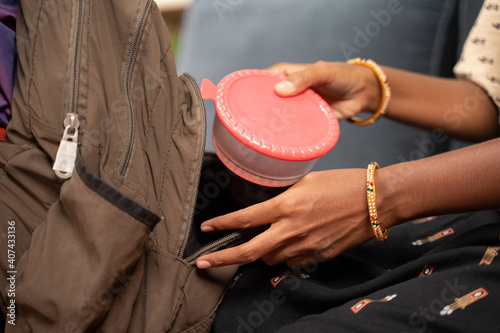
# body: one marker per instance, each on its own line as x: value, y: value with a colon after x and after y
x: 66, y: 154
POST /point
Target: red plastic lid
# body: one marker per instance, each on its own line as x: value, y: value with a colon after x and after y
x: 297, y: 128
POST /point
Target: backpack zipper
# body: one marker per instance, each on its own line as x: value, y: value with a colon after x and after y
x: 226, y: 239
x: 199, y: 164
x: 66, y: 153
x: 127, y: 74
x: 232, y: 236
x: 75, y: 77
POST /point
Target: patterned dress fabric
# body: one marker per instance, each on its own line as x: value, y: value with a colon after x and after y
x: 437, y: 274
x: 480, y: 60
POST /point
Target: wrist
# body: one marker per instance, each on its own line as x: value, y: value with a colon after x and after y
x: 384, y: 91
x: 393, y: 203
x: 372, y: 90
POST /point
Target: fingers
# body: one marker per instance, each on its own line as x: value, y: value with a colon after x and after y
x: 244, y: 253
x: 286, y: 68
x: 295, y: 83
x: 253, y: 216
x: 305, y: 77
x: 289, y: 87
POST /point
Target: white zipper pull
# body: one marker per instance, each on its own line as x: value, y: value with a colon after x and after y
x: 66, y: 154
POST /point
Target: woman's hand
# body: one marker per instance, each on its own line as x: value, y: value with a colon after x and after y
x: 318, y: 218
x: 349, y: 89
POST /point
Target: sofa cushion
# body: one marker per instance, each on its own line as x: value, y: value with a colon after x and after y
x: 222, y: 36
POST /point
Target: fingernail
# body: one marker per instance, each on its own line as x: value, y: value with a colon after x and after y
x: 207, y: 228
x: 285, y: 87
x: 203, y: 264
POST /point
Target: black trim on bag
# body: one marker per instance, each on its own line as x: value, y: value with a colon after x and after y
x: 116, y: 198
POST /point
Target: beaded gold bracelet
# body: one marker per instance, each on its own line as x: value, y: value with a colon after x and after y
x: 372, y: 208
x: 384, y: 86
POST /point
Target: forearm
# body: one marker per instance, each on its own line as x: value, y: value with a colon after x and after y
x: 459, y: 107
x: 463, y: 180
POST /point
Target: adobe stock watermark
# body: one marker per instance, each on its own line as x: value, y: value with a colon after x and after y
x: 421, y: 318
x: 280, y: 119
x: 224, y: 6
x: 364, y: 35
x: 98, y: 304
x: 455, y: 116
x: 263, y: 309
x: 212, y: 189
x: 11, y: 273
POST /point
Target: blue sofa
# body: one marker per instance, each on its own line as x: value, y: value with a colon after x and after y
x: 425, y: 36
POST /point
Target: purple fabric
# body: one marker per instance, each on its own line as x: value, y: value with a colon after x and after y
x: 8, y: 57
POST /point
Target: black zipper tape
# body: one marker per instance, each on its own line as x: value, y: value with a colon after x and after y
x: 124, y: 203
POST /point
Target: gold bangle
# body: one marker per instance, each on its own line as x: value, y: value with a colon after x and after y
x: 384, y: 86
x: 372, y: 208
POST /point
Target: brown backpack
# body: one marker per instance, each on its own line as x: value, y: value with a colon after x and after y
x: 108, y: 243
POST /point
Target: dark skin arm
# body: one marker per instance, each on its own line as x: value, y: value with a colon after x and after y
x: 459, y: 107
x: 326, y: 213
